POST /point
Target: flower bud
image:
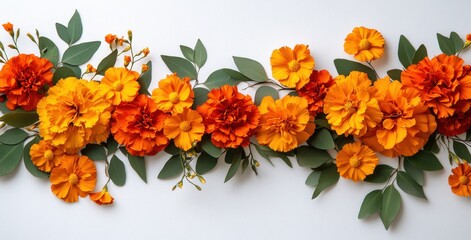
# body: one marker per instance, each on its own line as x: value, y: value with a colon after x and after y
x: 8, y: 27
x: 2, y: 124
x: 202, y: 180
x: 31, y: 37
x: 130, y: 35
x: 127, y: 60
x: 90, y: 68
x: 145, y: 51
x: 110, y: 38
x: 144, y: 68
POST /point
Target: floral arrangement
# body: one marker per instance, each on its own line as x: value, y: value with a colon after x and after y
x: 60, y: 120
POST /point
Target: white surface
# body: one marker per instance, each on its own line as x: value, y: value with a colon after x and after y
x: 276, y: 204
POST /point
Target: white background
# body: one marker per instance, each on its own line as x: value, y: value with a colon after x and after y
x: 274, y: 205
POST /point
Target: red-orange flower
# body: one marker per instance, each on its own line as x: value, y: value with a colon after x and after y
x: 22, y: 80
x: 457, y: 124
x: 316, y: 89
x: 110, y: 38
x: 460, y: 180
x: 138, y: 125
x: 8, y: 27
x: 103, y: 197
x: 229, y: 116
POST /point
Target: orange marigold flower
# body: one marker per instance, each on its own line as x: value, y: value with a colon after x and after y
x: 460, y: 180
x: 356, y: 161
x: 292, y: 67
x: 457, y: 124
x: 138, y: 125
x: 22, y: 80
x: 119, y: 85
x: 406, y: 125
x: 74, y: 177
x: 468, y: 37
x: 8, y: 27
x: 110, y: 38
x: 186, y: 128
x: 285, y: 123
x: 127, y: 60
x: 229, y: 116
x: 316, y: 89
x: 350, y: 106
x: 74, y: 114
x: 90, y: 68
x: 45, y: 156
x: 103, y: 197
x: 443, y: 82
x: 174, y: 94
x: 364, y: 44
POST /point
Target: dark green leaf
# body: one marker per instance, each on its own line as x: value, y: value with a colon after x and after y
x: 395, y: 74
x: 425, y: 160
x: 111, y: 145
x: 172, y: 168
x: 432, y: 144
x: 245, y: 162
x: 95, y: 152
x: 200, y: 54
x: 224, y: 76
x: 236, y: 159
x: 3, y: 107
x: 75, y: 28
x: 63, y: 32
x: 341, y: 140
x: 20, y: 118
x: 201, y: 95
x: 205, y: 163
x: 420, y: 54
x: 251, y: 69
x: 446, y: 45
x: 139, y: 165
x: 371, y: 204
x: 172, y: 149
x: 269, y: 152
x: 457, y: 41
x: 311, y: 157
x: 29, y: 163
x: 344, y: 67
x: 321, y: 123
x: 188, y: 53
x: 405, y: 51
x: 468, y: 134
x: 415, y: 173
x: 209, y: 147
x: 117, y: 171
x: 10, y: 158
x: 461, y: 150
x: 107, y: 62
x: 322, y: 140
x: 263, y: 154
x: 264, y: 91
x: 62, y: 73
x: 13, y: 136
x: 313, y: 178
x: 329, y: 177
x: 76, y: 69
x: 409, y: 185
x: 233, y: 153
x: 390, y: 205
x: 49, y: 50
x: 381, y: 174
x: 146, y: 79
x: 181, y: 66
x: 79, y: 54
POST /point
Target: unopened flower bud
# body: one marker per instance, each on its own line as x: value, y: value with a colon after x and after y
x: 256, y: 163
x: 90, y: 68
x: 130, y: 35
x: 8, y: 27
x: 2, y: 124
x: 202, y: 180
x: 198, y: 187
x: 127, y: 48
x: 144, y: 68
x: 110, y: 38
x: 145, y: 51
x: 180, y: 184
x: 11, y: 46
x: 127, y: 60
x: 31, y: 37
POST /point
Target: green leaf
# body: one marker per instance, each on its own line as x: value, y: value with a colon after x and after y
x: 209, y: 147
x: 344, y: 67
x: 95, y: 152
x: 313, y: 178
x: 420, y: 54
x: 172, y: 149
x: 139, y: 165
x: 432, y: 144
x: 233, y: 153
x: 75, y: 28
x: 269, y: 152
x: 111, y: 145
x: 322, y: 139
x: 264, y: 91
x: 79, y: 54
x: 371, y: 204
x: 409, y: 185
x: 172, y: 168
x: 117, y: 171
x: 62, y: 73
x: 107, y: 62
x: 381, y: 174
x: 311, y: 157
x: 457, y: 41
x: 10, y: 158
x: 395, y: 74
x: 390, y: 205
x: 425, y: 160
x: 63, y: 32
x: 201, y: 95
x: 49, y: 50
x: 200, y: 54
x: 13, y: 136
x: 3, y: 107
x: 405, y: 51
x: 236, y: 159
x: 321, y: 123
x: 76, y: 69
x: 219, y: 78
x: 188, y: 53
x: 29, y: 163
x: 20, y: 118
x: 145, y: 80
x: 341, y: 140
x: 181, y: 66
x: 329, y: 176
x: 263, y: 154
x: 461, y: 150
x: 446, y: 45
x: 415, y: 173
x: 205, y: 163
x: 251, y: 69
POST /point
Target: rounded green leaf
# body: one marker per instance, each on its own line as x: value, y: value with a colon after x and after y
x: 425, y: 160
x: 381, y: 174
x: 146, y: 79
x: 13, y: 136
x: 405, y: 51
x: 322, y: 139
x: 420, y: 54
x: 117, y: 171
x: 181, y: 66
x: 29, y: 163
x: 79, y: 54
x: 62, y: 73
x: 205, y: 163
x: 10, y: 157
x: 395, y: 74
x: 251, y: 69
x: 457, y: 41
x: 344, y: 67
x: 95, y: 152
x: 415, y: 173
x: 74, y: 28
x: 390, y: 205
x: 172, y: 168
x: 311, y: 157
x: 63, y: 32
x: 20, y: 118
x: 49, y: 50
x: 409, y: 185
x: 313, y: 178
x: 446, y: 45
x: 209, y: 147
x: 201, y: 95
x: 172, y: 149
x: 223, y: 77
x: 264, y: 91
x: 371, y: 204
x: 188, y: 53
x: 200, y: 54
x: 461, y: 150
x: 235, y: 157
x: 139, y: 165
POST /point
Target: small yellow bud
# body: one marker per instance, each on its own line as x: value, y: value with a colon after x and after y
x: 127, y: 48
x: 144, y: 68
x: 2, y: 124
x: 180, y: 184
x: 130, y: 35
x: 145, y: 51
x: 202, y: 180
x: 256, y: 163
x: 198, y: 187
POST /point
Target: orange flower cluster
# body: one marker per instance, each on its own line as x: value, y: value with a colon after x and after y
x: 315, y: 90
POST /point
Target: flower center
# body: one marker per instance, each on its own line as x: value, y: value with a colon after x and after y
x: 350, y: 106
x: 464, y: 180
x: 364, y: 44
x: 118, y: 86
x: 354, y: 161
x: 173, y: 97
x: 48, y: 155
x: 185, y: 126
x: 73, y: 179
x: 293, y: 66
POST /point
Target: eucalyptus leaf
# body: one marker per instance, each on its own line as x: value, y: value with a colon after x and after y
x: 62, y: 73
x: 409, y: 185
x: 81, y: 53
x: 29, y: 163
x: 269, y: 152
x: 322, y: 139
x: 209, y: 147
x: 117, y: 171
x: 181, y: 66
x: 205, y: 163
x: 405, y: 51
x: 188, y: 53
x: 329, y: 176
x: 172, y: 168
x: 13, y: 136
x: 237, y: 157
x: 414, y: 172
x: 345, y: 67
x: 457, y: 41
x: 251, y: 69
x: 381, y: 174
x: 371, y: 204
x: 172, y: 149
x: 264, y: 91
x: 49, y: 50
x: 107, y: 62
x: 395, y: 74
x: 263, y: 154
x: 95, y: 152
x: 390, y: 205
x: 311, y: 157
x: 20, y: 118
x: 200, y: 54
x: 313, y: 178
x: 10, y: 158
x: 223, y: 77
x: 111, y: 145
x: 425, y: 160
x: 74, y: 28
x: 76, y: 69
x: 139, y: 165
x: 201, y: 96
x: 461, y: 150
x: 63, y: 33
x: 420, y: 54
x: 446, y: 45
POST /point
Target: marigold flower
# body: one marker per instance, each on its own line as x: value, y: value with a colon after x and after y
x: 74, y: 114
x: 127, y: 60
x: 455, y: 125
x: 443, y: 82
x: 356, y: 161
x: 315, y: 90
x: 186, y: 128
x: 460, y: 180
x: 173, y: 94
x: 145, y: 51
x: 119, y: 85
x: 103, y: 197
x: 229, y: 116
x: 285, y: 123
x: 110, y: 38
x: 8, y: 27
x: 350, y: 106
x: 74, y: 177
x: 90, y: 68
x: 292, y: 67
x: 22, y: 80
x: 364, y: 44
x: 45, y: 156
x: 138, y: 125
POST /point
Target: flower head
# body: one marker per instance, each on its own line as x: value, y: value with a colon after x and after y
x: 364, y: 44
x: 110, y: 38
x: 460, y: 180
x: 8, y: 27
x: 174, y: 94
x: 316, y: 89
x: 186, y: 128
x: 74, y: 177
x: 457, y: 124
x: 45, y: 156
x: 285, y: 123
x: 22, y: 80
x: 103, y: 197
x: 355, y: 161
x: 119, y: 84
x: 292, y: 67
x: 138, y: 125
x: 90, y: 68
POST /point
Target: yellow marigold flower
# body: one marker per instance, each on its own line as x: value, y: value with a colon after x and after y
x: 8, y: 27
x: 45, y: 156
x: 73, y: 115
x: 356, y: 161
x: 460, y: 180
x: 284, y: 123
x: 186, y: 128
x: 292, y: 67
x: 174, y: 94
x: 119, y: 85
x: 103, y: 197
x: 365, y: 44
x: 350, y: 107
